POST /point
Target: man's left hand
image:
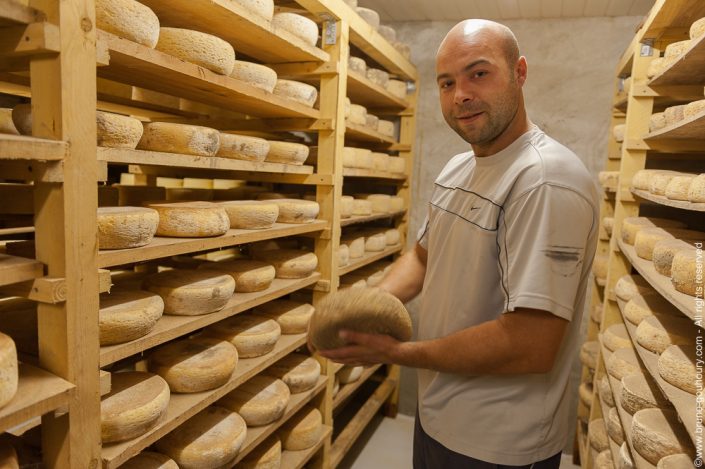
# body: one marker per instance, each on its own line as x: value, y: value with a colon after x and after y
x: 365, y: 349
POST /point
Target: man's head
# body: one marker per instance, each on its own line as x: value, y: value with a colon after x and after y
x: 480, y: 75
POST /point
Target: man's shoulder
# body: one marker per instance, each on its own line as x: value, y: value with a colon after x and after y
x: 455, y: 165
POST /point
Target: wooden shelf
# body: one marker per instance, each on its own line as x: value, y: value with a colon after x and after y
x: 184, y: 406
x: 687, y: 129
x: 170, y: 327
x: 366, y: 93
x: 297, y: 459
x: 139, y: 65
x: 249, y: 33
x: 14, y: 13
x: 368, y: 218
x: 363, y: 133
x: 368, y: 258
x: 660, y: 283
x: 38, y: 392
x: 662, y: 200
x: 347, y: 390
x: 20, y: 147
x: 164, y: 247
x: 18, y: 269
x: 669, y: 17
x: 688, y: 69
x: 371, y: 173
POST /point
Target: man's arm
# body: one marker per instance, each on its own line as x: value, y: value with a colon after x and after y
x: 405, y: 279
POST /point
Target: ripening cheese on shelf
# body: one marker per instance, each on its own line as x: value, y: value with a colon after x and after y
x: 9, y: 374
x: 290, y: 263
x: 614, y: 426
x: 194, y: 365
x: 116, y: 131
x: 135, y: 404
x: 371, y: 121
x: 608, y: 224
x: 179, y: 138
x: 292, y: 316
x: 588, y: 354
x: 251, y: 214
x: 697, y: 29
x: 349, y: 374
x: 677, y: 48
x: 303, y: 430
x: 204, y: 50
x: 380, y: 202
x: 387, y: 32
x: 22, y: 118
x: 191, y: 219
x: 127, y: 314
x: 599, y: 266
x: 267, y: 455
x: 616, y: 337
x: 623, y: 362
x: 630, y: 285
x: 347, y: 107
x: 618, y: 132
x: 642, y: 306
x: 657, y: 433
x: 694, y: 108
x: 393, y: 236
x: 659, y: 182
x: 640, y: 392
x: 657, y: 66
x: 346, y: 206
x: 585, y: 394
x: 606, y: 391
x: 300, y: 372
x: 362, y: 158
x: 696, y: 193
x: 287, y: 152
x: 627, y: 84
x: 396, y: 88
x: 396, y: 203
x: 596, y: 313
x: 264, y: 8
x: 604, y: 460
x: 191, y: 292
x: 128, y: 19
x: 211, y: 438
x: 377, y: 76
x: 343, y: 255
x: 358, y: 65
x: 349, y: 157
x: 126, y: 227
x: 375, y: 242
x: 252, y: 336
x: 362, y: 207
x: 642, y: 179
x: 249, y: 275
x: 663, y: 253
x: 296, y: 210
x: 369, y: 15
x: 150, y: 460
x: 358, y: 114
x: 675, y: 461
x: 397, y: 165
x: 674, y: 114
x: 300, y: 26
x: 6, y: 124
x: 242, y: 147
x: 386, y: 128
x: 597, y: 435
x: 261, y: 400
x: 657, y: 121
x: 632, y: 225
x: 676, y: 365
x: 257, y: 75
x: 647, y: 238
x: 609, y: 180
x: 658, y: 332
x: 297, y: 91
x: 625, y: 457
x: 684, y: 271
x: 678, y: 187
x: 356, y: 245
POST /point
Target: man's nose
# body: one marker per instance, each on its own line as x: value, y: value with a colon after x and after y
x: 463, y: 92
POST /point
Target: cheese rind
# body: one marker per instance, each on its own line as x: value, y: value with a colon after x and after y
x: 190, y: 219
x: 676, y: 365
x: 264, y: 8
x: 632, y: 225
x: 397, y: 164
x: 303, y: 430
x: 639, y: 393
x: 242, y: 147
x: 261, y: 400
x: 657, y: 121
x: 204, y: 50
x: 645, y: 305
x: 296, y: 211
x: 267, y: 455
x: 606, y: 391
x: 614, y: 426
x: 252, y: 336
x: 696, y: 192
x: 287, y: 152
x: 616, y: 337
x: 618, y: 132
x: 663, y: 253
x: 677, y: 48
x: 349, y: 374
x: 355, y: 244
x: 357, y: 64
x: 362, y: 207
x: 126, y: 227
x: 678, y: 187
x: 257, y: 75
x: 191, y: 292
x: 292, y: 316
x: 251, y: 214
x: 674, y: 114
x: 295, y: 90
x: 658, y: 332
x: 179, y: 138
x: 387, y: 32
x: 377, y: 76
x: 397, y: 88
x: 604, y: 460
x: 346, y: 206
x: 249, y: 275
x: 597, y: 435
x: 657, y: 433
x: 386, y: 128
x: 369, y: 15
x: 629, y: 285
x: 358, y: 114
x: 9, y: 371
x: 585, y: 394
x: 150, y: 460
x: 623, y: 362
x: 290, y: 263
x: 128, y: 19
x: 300, y: 372
x: 116, y: 131
x: 300, y: 26
x: 684, y: 272
x: 588, y: 353
x: 126, y: 315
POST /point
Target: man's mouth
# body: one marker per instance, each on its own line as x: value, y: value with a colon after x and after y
x: 468, y: 117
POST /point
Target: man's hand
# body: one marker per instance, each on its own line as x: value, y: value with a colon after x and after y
x: 366, y: 349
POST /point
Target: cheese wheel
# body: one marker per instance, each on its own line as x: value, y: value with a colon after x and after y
x: 300, y: 372
x: 677, y: 48
x: 297, y: 91
x: 697, y: 29
x: 397, y: 164
x: 349, y: 374
x: 658, y: 332
x: 150, y: 460
x: 585, y: 394
x: 646, y: 305
x: 242, y: 147
x: 249, y: 275
x: 638, y: 393
x: 684, y: 271
x: 642, y: 179
x: 632, y: 225
x: 128, y: 19
x: 614, y: 426
x: 296, y: 211
x: 179, y: 138
x: 211, y: 438
x: 348, y: 157
x: 6, y: 124
x: 252, y: 336
x: 387, y: 32
x: 250, y: 214
x: 303, y: 430
x: 404, y: 49
x: 369, y: 15
x: 396, y: 88
x: 657, y: 433
x: 623, y: 362
x: 346, y: 107
x: 9, y: 374
x: 264, y: 8
x: 191, y: 292
x: 362, y: 207
x: 696, y: 192
x: 371, y: 121
x: 362, y: 158
x: 609, y: 180
x: 116, y: 131
x: 300, y: 26
x: 355, y: 244
x: 386, y: 128
x: 629, y: 285
x: 358, y: 114
x: 194, y: 365
x: 694, y: 108
x: 606, y: 391
x: 599, y: 266
x: 604, y: 460
x: 676, y: 365
x: 588, y: 354
x: 375, y: 242
x: 190, y: 219
x: 625, y: 457
x: 292, y: 316
x: 596, y: 313
x: 126, y: 227
x: 616, y: 337
x: 126, y: 315
x: 343, y: 255
x: 597, y: 435
x: 22, y: 118
x: 257, y: 75
x: 8, y: 456
x: 659, y: 182
x: 380, y: 202
x: 287, y: 152
x: 135, y: 404
x: 346, y: 206
x: 369, y: 310
x: 618, y: 132
x: 261, y: 400
x: 377, y: 76
x: 675, y: 461
x: 663, y: 253
x: 290, y: 263
x: 396, y: 203
x: 678, y: 187
x: 357, y: 64
x: 267, y: 455
x: 674, y: 114
x: 204, y: 50
x: 657, y: 121
x: 608, y: 223
x: 393, y: 237
x: 657, y: 66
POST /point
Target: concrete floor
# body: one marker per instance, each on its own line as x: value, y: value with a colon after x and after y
x: 387, y: 443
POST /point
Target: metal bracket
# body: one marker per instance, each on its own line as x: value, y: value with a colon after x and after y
x: 330, y: 32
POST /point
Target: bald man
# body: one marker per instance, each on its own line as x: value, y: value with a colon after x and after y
x: 502, y: 262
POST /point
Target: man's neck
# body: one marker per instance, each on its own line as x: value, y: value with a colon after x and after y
x: 519, y: 125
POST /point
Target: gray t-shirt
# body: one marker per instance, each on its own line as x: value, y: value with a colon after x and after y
x: 515, y: 229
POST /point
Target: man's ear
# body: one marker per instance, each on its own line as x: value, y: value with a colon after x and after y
x: 521, y: 70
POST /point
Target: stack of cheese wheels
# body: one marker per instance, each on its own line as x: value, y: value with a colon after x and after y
x: 249, y: 275
x: 632, y: 225
x: 212, y: 438
x: 116, y: 131
x: 9, y: 374
x: 257, y: 75
x: 606, y: 391
x: 663, y: 253
x: 128, y: 19
x: 629, y: 285
x: 349, y: 374
x: 696, y: 192
x: 300, y: 372
x: 397, y: 88
x: 609, y: 180
x: 6, y: 124
x: 599, y: 268
x: 346, y: 206
x: 397, y: 165
x: 674, y: 114
x: 657, y: 121
x: 191, y: 292
x: 150, y: 460
x: 126, y: 227
x: 679, y: 186
x: 300, y: 26
x: 676, y: 365
x: 190, y: 219
x: 287, y: 153
x: 369, y: 15
x: 386, y: 128
x: 614, y: 427
x: 597, y: 435
x: 355, y: 244
x: 127, y: 314
x: 290, y: 263
x: 242, y: 147
x: 194, y: 365
x: 251, y: 214
x: 588, y: 354
x: 179, y: 138
x: 198, y: 48
x: 135, y: 404
x: 640, y: 392
x: 358, y: 115
x: 657, y: 433
x: 648, y: 304
x: 623, y: 362
x: 616, y: 337
x: 362, y: 207
x: 292, y: 316
x: 297, y: 91
x: 357, y: 64
x: 303, y: 430
x: 377, y: 76
x: 685, y: 271
x: 387, y: 32
x: 267, y: 455
x: 261, y: 400
x: 296, y: 210
x: 585, y: 394
x: 393, y: 236
x: 252, y: 336
x: 658, y: 332
x: 343, y: 255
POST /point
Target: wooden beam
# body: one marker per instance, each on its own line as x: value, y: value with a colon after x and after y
x: 13, y: 12
x: 32, y: 39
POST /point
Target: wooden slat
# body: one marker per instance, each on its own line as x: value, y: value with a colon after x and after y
x: 298, y: 459
x: 347, y: 390
x: 368, y: 258
x: 687, y: 129
x: 362, y: 91
x: 668, y: 15
x: 13, y: 12
x: 18, y: 147
x: 688, y: 69
x: 662, y: 200
x: 29, y: 40
x: 362, y: 133
x: 369, y: 173
x: 18, y: 269
x: 368, y: 218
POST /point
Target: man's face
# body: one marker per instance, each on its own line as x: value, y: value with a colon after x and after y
x: 479, y: 91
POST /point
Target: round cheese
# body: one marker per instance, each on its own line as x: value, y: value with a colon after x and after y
x: 6, y: 124
x: 126, y: 227
x: 346, y: 107
x: 264, y: 8
x: 657, y: 121
x: 375, y: 242
x: 303, y: 430
x: 292, y: 316
x: 608, y: 224
x: 684, y: 272
x: 377, y: 76
x: 358, y: 115
x: 659, y: 182
x: 380, y: 202
x: 211, y: 438
x: 678, y: 187
x: 616, y: 337
x: 387, y: 32
x: 194, y: 365
x: 362, y: 207
x: 597, y: 435
x: 290, y: 263
x: 252, y: 336
x: 355, y: 244
x: 625, y: 457
x: 674, y: 114
x: 300, y: 26
x: 191, y: 219
x: 697, y: 29
x: 642, y: 179
x: 588, y: 354
x: 116, y: 131
x: 614, y: 426
x: 596, y: 313
x: 357, y: 64
x: 204, y: 50
x: 348, y: 157
x: 295, y: 90
x: 386, y: 128
x: 251, y: 214
x: 191, y: 292
x: 677, y: 48
x: 639, y: 393
x: 676, y: 365
x: 646, y: 305
x: 663, y: 253
x: 150, y: 460
x: 618, y: 132
x: 22, y: 118
x: 657, y: 433
x: 585, y: 394
x: 656, y: 67
x: 609, y: 180
x: 696, y: 192
x: 397, y: 164
x: 599, y: 266
x: 370, y: 16
x: 694, y: 108
x: 396, y: 88
x: 632, y: 225
x: 267, y: 455
x: 623, y: 362
x: 346, y: 206
x: 9, y: 374
x: 675, y: 461
x: 606, y: 391
x: 604, y: 460
x: 349, y: 374
x: 135, y: 404
x: 396, y: 203
x: 296, y: 211
x: 362, y: 158
x: 629, y: 285
x: 658, y: 332
x: 287, y: 152
x: 179, y: 138
x: 257, y: 75
x: 343, y: 255
x: 249, y: 275
x: 404, y: 49
x: 371, y: 121
x: 128, y: 19
x: 242, y: 147
x: 126, y: 315
x: 261, y: 400
x: 393, y: 237
x: 300, y: 372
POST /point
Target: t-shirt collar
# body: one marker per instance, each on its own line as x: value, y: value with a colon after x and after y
x: 510, y: 151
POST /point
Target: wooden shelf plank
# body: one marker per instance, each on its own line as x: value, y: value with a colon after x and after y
x: 18, y: 269
x: 139, y: 65
x: 366, y: 93
x: 170, y: 327
x: 672, y: 16
x: 688, y: 68
x: 368, y: 258
x: 298, y: 459
x: 347, y: 390
x: 14, y: 13
x: 249, y: 33
x: 16, y: 230
x: 367, y: 218
x: 20, y: 147
x: 370, y: 173
x: 362, y: 133
x: 662, y: 200
x: 164, y: 247
x: 184, y: 406
x: 662, y: 284
x: 687, y: 129
x: 38, y: 392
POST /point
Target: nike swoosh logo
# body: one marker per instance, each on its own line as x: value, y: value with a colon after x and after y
x: 474, y: 208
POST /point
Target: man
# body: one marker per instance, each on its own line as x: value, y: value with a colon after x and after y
x: 503, y: 260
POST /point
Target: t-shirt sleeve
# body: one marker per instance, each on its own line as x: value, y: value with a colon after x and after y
x: 422, y: 235
x: 548, y: 234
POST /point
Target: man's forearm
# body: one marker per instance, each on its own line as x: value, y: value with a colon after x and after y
x: 405, y: 278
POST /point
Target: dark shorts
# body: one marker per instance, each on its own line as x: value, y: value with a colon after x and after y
x: 430, y: 454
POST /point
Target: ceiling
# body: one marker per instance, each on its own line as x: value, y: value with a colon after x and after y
x: 453, y: 10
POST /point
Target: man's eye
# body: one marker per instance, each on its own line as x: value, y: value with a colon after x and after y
x: 480, y: 74
x: 446, y: 84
